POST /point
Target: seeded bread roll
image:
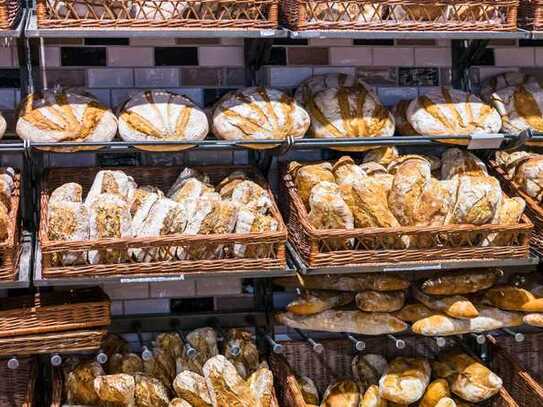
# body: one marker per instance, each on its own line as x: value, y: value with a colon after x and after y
x: 455, y: 306
x: 158, y: 115
x: 520, y: 107
x: 344, y: 393
x: 376, y: 301
x: 358, y: 282
x: 460, y: 283
x: 405, y: 380
x: 313, y: 302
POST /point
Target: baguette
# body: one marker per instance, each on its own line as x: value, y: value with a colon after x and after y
x: 345, y: 321
x: 370, y: 281
x: 405, y: 380
x: 414, y: 312
x: 461, y: 283
x: 514, y: 299
x: 535, y: 319
x: 375, y: 301
x: 435, y: 391
x: 455, y: 306
x: 313, y: 302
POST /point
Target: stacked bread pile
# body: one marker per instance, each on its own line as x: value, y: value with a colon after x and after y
x: 7, y: 186
x: 453, y: 379
x: 388, y: 191
x: 173, y: 377
x: 115, y: 207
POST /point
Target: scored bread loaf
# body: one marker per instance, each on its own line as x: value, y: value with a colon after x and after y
x: 112, y: 182
x: 535, y: 319
x: 372, y: 398
x: 259, y: 114
x: 261, y: 387
x: 460, y: 283
x: 309, y: 87
x: 150, y: 392
x: 159, y: 115
x: 414, y: 312
x: 436, y: 390
x: 358, y: 282
x: 502, y: 81
x: 527, y: 172
x: 3, y: 125
x: 378, y: 301
x: 343, y: 393
x: 448, y: 112
x: 313, y: 302
x: 509, y: 213
x: 520, y: 107
x: 356, y: 322
x: 455, y: 161
x: 307, y: 176
x: 117, y: 389
x: 141, y: 206
x: 79, y: 383
x: 399, y: 111
x: 250, y: 222
x: 226, y: 388
x: 512, y: 298
x: 253, y: 196
x: 381, y: 155
x: 405, y: 380
x: 455, y: 306
x: 187, y: 190
x: 60, y: 115
x: 192, y: 387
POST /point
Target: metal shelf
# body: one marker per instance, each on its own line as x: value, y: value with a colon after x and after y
x: 25, y: 264
x: 15, y: 32
x: 453, y: 35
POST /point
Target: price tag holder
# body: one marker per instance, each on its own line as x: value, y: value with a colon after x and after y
x: 267, y: 33
x: 180, y: 277
x: 485, y: 141
x: 415, y: 268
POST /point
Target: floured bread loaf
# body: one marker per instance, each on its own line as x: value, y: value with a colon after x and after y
x: 261, y: 387
x: 117, y: 389
x: 399, y: 111
x: 259, y: 114
x: 190, y: 386
x: 111, y: 182
x: 509, y: 213
x: 447, y: 111
x: 109, y: 217
x: 376, y: 301
x: 314, y: 84
x: 79, y: 383
x: 436, y: 390
x: 150, y: 392
x: 252, y: 196
x: 226, y: 387
x: 313, y: 302
x: 250, y: 222
x: 187, y: 190
x: 227, y: 185
x: 372, y: 398
x: 455, y: 161
x: 59, y: 115
x: 405, y: 380
x: 455, y: 305
x: 381, y: 155
x: 158, y: 115
x: 141, y: 206
x: 359, y: 282
x: 307, y: 176
x: 247, y: 360
x: 520, y: 107
x: 344, y: 393
x: 460, y: 283
x: 69, y: 192
x: 504, y: 80
x: 356, y: 322
x: 527, y: 172
x: 414, y: 312
x: 349, y: 113
x: 3, y: 125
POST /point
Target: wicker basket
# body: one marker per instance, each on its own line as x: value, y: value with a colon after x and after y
x: 54, y: 312
x: 271, y: 245
x: 65, y: 342
x: 319, y: 247
x: 335, y: 364
x: 10, y: 249
x: 17, y: 386
x: 405, y: 15
x: 530, y: 15
x: 10, y: 12
x: 179, y: 14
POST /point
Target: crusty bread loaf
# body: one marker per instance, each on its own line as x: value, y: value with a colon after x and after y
x: 358, y: 282
x: 405, y: 380
x: 381, y: 155
x: 509, y: 213
x: 69, y: 192
x: 79, y: 383
x: 259, y: 114
x: 58, y: 115
x: 307, y: 176
x: 399, y: 111
x: 261, y: 387
x: 368, y: 369
x: 460, y: 283
x: 247, y: 360
x: 436, y: 390
x: 344, y: 393
x: 345, y: 321
x: 3, y: 125
x: 372, y: 398
x: 158, y: 115
x: 190, y: 386
x: 512, y: 298
x: 226, y: 388
x: 308, y: 389
x: 141, y: 206
x: 249, y: 221
x: 455, y: 306
x: 128, y: 363
x: 309, y: 87
x: 252, y: 196
x: 378, y: 301
x: 455, y: 161
x: 204, y: 340
x: 414, y: 312
x: 150, y: 392
x: 502, y: 81
x: 446, y: 111
x: 535, y: 319
x: 313, y: 302
x: 520, y: 107
x: 346, y: 172
x: 117, y: 389
x: 177, y: 402
x: 112, y: 182
x: 527, y: 172
x: 446, y: 402
x: 7, y: 186
x: 66, y: 221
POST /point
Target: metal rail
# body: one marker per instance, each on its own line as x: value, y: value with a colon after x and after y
x: 432, y: 35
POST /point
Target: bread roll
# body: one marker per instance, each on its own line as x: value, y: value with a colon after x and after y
x: 117, y: 389
x: 447, y: 111
x: 405, y: 380
x: 54, y: 116
x: 372, y: 398
x: 159, y: 115
x: 358, y: 282
x: 3, y: 125
x: 190, y: 386
x: 259, y: 114
x: 344, y: 393
x: 226, y: 387
x: 247, y: 360
x: 112, y: 182
x: 504, y: 80
x: 414, y: 312
x: 455, y: 161
x: 356, y: 322
x: 514, y: 299
x: 520, y: 107
x: 309, y: 87
x: 376, y: 301
x: 307, y: 176
x: 313, y: 302
x: 150, y: 392
x: 535, y: 319
x: 460, y: 283
x: 7, y: 186
x: 435, y: 391
x: 455, y: 306
x: 381, y: 155
x: 79, y: 383
x: 349, y: 113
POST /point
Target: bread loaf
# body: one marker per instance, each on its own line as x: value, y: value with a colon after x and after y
x: 313, y: 302
x: 509, y: 213
x: 250, y: 222
x: 368, y: 369
x: 535, y: 319
x: 246, y: 361
x: 117, y: 389
x: 253, y: 196
x: 171, y: 342
x: 446, y: 402
x: 449, y: 112
x: 376, y: 301
x: 344, y: 393
x: 204, y: 340
x: 349, y: 113
x: 141, y: 206
x: 308, y: 389
x: 358, y: 282
x: 150, y: 392
x: 527, y: 172
x: 460, y: 283
x: 309, y: 87
x: 435, y: 391
x: 414, y: 312
x: 460, y: 162
x: 112, y: 182
x: 176, y: 402
x: 346, y: 172
x: 128, y: 363
x: 158, y: 115
x: 7, y: 186
x: 226, y: 387
x: 399, y: 111
x: 520, y: 107
x: 405, y: 380
x: 356, y: 322
x: 79, y: 383
x: 187, y: 191
x: 502, y: 81
x: 3, y: 125
x: 307, y: 176
x: 161, y: 366
x: 192, y: 387
x: 455, y: 306
x: 372, y: 398
x: 514, y: 299
x: 381, y: 155
x: 261, y: 387
x: 259, y: 114
x: 59, y: 115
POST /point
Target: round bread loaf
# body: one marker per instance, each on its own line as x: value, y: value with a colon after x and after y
x: 3, y: 125
x: 60, y: 115
x: 259, y: 114
x: 520, y: 107
x: 403, y: 126
x: 314, y: 84
x: 502, y: 81
x: 449, y: 112
x: 349, y: 113
x: 157, y: 115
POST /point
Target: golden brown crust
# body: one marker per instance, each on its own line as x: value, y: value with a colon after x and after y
x: 376, y: 301
x: 460, y: 283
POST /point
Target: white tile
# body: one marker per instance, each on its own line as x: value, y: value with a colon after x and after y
x: 103, y: 95
x: 152, y: 42
x: 288, y: 76
x: 7, y: 99
x: 350, y: 56
x: 156, y: 306
x: 391, y: 95
x: 432, y: 57
x: 330, y: 42
x: 110, y: 78
x: 514, y: 56
x: 539, y: 56
x: 117, y: 308
x: 334, y: 69
x: 218, y: 286
x: 173, y: 289
x: 220, y: 56
x: 52, y: 57
x: 6, y: 59
x: 127, y: 291
x: 393, y: 56
x: 157, y: 77
x: 130, y: 56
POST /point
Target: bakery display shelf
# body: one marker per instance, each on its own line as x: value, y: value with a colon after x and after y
x: 16, y: 31
x: 25, y: 265
x: 527, y: 262
x: 32, y: 30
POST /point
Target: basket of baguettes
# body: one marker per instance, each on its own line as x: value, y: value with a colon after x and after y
x: 10, y: 11
x: 256, y: 14
x: 418, y: 375
x: 438, y: 15
x: 9, y: 224
x: 530, y: 14
x: 17, y: 385
x: 458, y: 303
x: 158, y: 220
x: 220, y: 374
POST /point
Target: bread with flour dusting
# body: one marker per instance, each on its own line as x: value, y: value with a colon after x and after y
x: 521, y: 107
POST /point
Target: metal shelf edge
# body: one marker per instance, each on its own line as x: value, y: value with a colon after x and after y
x: 370, y: 34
